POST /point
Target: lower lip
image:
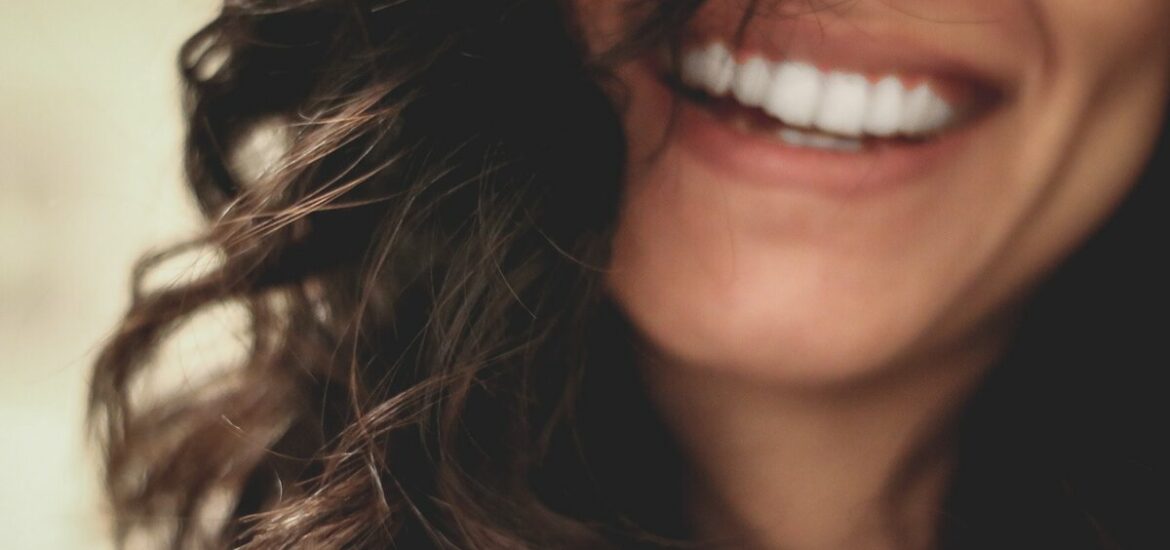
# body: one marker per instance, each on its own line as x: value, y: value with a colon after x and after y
x: 758, y: 159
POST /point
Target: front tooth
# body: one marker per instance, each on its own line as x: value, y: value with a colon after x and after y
x: 752, y: 80
x: 885, y: 108
x: 795, y: 93
x: 924, y: 111
x: 843, y: 108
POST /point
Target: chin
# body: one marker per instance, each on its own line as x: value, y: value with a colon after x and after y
x: 789, y: 325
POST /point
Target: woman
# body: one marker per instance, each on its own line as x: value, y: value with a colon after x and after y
x: 726, y: 274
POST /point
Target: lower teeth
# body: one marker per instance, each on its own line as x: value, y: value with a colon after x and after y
x: 817, y: 140
x: 795, y: 137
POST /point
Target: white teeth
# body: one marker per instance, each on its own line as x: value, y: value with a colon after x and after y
x: 885, y: 108
x: 822, y: 141
x: 792, y: 136
x: 800, y: 138
x: 843, y: 108
x: 752, y: 81
x: 800, y: 95
x: 795, y: 94
x: 924, y: 111
x: 710, y: 69
x: 718, y: 69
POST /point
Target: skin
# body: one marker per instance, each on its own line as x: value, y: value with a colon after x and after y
x: 835, y: 333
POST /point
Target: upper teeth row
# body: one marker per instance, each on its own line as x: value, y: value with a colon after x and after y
x: 801, y: 95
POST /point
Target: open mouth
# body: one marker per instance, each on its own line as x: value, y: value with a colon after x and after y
x: 851, y: 119
x: 802, y: 105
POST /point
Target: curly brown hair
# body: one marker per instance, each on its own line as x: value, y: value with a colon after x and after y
x: 431, y: 361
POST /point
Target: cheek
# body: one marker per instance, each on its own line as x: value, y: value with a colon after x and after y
x: 1102, y: 99
x: 1099, y: 34
x: 604, y: 23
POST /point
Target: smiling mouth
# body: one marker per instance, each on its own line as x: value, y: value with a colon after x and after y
x: 802, y: 105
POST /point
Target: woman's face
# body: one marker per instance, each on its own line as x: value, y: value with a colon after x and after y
x: 881, y: 180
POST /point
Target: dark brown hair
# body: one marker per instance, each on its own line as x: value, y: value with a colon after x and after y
x: 430, y: 361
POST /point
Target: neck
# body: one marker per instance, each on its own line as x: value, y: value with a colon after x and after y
x: 861, y: 467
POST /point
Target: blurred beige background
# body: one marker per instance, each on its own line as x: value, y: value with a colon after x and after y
x: 89, y: 179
